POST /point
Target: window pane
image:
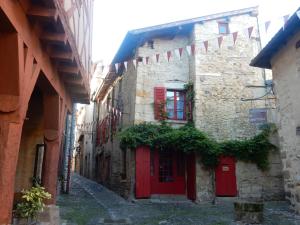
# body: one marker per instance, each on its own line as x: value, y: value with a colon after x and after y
x: 180, y: 105
x: 223, y: 28
x: 166, y: 167
x: 170, y: 104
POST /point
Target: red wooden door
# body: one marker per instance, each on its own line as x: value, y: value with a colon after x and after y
x: 167, y: 173
x: 142, y: 172
x: 191, y: 176
x: 225, y: 177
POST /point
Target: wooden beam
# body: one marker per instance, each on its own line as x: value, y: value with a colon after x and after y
x: 43, y: 13
x: 72, y: 82
x: 61, y: 55
x: 54, y: 37
x: 74, y: 70
x: 77, y: 90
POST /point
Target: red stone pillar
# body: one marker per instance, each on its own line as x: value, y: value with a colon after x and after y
x: 52, y: 141
x: 10, y: 136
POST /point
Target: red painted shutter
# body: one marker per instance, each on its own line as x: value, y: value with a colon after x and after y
x: 142, y: 172
x: 159, y: 100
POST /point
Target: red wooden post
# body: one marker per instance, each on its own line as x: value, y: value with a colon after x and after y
x: 142, y: 172
x: 225, y: 177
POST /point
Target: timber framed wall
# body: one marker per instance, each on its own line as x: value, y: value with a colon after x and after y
x: 41, y: 47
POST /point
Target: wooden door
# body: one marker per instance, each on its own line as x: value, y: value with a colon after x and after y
x: 225, y: 177
x: 142, y: 172
x: 191, y: 176
x: 167, y: 173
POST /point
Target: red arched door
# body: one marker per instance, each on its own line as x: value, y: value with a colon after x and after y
x: 225, y: 177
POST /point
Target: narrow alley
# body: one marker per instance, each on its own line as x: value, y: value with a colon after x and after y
x: 90, y: 203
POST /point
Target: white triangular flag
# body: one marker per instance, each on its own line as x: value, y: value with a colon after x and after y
x: 125, y: 65
x: 117, y: 67
x: 176, y: 51
x: 153, y: 58
x: 134, y: 63
x: 188, y: 49
x: 298, y: 14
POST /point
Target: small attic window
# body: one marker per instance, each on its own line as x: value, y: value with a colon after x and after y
x: 150, y: 44
x: 223, y: 27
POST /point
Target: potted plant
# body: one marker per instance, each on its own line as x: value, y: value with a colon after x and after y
x: 31, y: 204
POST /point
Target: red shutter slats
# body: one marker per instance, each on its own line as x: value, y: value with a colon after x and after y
x: 159, y: 103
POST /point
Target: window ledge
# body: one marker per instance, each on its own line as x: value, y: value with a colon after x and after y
x: 177, y: 121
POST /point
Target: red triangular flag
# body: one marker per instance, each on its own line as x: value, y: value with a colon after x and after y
x: 193, y: 49
x: 234, y: 36
x: 157, y: 57
x: 205, y: 45
x: 267, y: 24
x: 169, y: 55
x: 180, y: 51
x: 250, y: 29
x: 220, y: 39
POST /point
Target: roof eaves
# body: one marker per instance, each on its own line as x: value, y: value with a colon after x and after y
x: 196, y: 20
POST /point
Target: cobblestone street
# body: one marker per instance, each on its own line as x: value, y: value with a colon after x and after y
x: 90, y: 204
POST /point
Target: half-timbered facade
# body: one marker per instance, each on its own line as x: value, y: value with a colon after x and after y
x: 45, y: 61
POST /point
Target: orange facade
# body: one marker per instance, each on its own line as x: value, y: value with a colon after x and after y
x: 44, y: 67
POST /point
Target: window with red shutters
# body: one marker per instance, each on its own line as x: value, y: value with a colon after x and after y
x: 159, y: 103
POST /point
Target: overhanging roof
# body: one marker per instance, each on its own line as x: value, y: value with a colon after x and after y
x: 135, y: 38
x: 264, y: 57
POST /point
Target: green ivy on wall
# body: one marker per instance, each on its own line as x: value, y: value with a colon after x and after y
x: 189, y: 139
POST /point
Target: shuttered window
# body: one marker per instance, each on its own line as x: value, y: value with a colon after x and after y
x: 159, y: 102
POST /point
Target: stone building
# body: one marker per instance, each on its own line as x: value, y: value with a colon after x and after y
x: 281, y: 55
x: 44, y: 65
x: 220, y: 75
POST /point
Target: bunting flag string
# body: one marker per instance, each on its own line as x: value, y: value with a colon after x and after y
x: 191, y: 49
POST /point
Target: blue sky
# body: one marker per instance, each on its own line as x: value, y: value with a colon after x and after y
x: 113, y: 18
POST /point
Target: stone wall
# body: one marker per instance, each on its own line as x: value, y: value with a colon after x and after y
x: 85, y: 114
x: 221, y: 76
x: 286, y: 75
x: 173, y: 74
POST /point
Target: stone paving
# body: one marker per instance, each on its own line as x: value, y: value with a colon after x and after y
x: 91, y: 204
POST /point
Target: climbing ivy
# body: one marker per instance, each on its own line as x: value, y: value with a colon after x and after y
x: 189, y: 139
x: 190, y: 99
